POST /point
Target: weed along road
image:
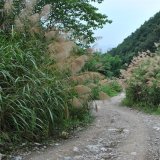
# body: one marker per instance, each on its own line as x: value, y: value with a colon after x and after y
x: 118, y: 133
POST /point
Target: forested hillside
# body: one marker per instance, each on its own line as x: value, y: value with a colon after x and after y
x: 142, y: 39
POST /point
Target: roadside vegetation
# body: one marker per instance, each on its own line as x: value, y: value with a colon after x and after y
x: 44, y: 86
x: 48, y: 74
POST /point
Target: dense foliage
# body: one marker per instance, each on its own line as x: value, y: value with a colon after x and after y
x: 142, y: 39
x: 78, y: 17
x: 104, y: 63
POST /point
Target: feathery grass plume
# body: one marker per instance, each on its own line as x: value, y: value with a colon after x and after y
x: 90, y: 50
x: 8, y: 6
x: 30, y: 4
x: 103, y: 82
x: 75, y: 102
x: 45, y: 12
x: 35, y: 30
x: 25, y: 14
x: 142, y: 78
x: 81, y: 101
x: 103, y: 96
x: 92, y: 86
x: 85, y: 98
x: 64, y: 65
x: 60, y: 50
x: 34, y: 19
x: 78, y: 64
x: 27, y: 18
x: 144, y: 56
x: 81, y: 90
x: 94, y: 75
x: 87, y: 76
x: 51, y: 35
x: 19, y: 25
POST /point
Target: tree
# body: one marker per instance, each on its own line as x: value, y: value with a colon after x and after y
x: 79, y: 17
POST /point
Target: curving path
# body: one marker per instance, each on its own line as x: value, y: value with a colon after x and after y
x: 118, y: 133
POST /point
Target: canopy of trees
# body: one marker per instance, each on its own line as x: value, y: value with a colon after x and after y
x: 79, y: 17
x: 142, y: 39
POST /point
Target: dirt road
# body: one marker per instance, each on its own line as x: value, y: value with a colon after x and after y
x: 118, y: 133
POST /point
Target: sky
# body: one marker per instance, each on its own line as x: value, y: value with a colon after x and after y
x: 127, y: 16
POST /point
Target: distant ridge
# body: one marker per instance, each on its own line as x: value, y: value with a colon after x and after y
x: 141, y: 40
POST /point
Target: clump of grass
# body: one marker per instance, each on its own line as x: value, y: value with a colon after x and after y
x: 34, y: 100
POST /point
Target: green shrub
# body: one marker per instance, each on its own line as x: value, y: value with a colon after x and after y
x: 104, y: 63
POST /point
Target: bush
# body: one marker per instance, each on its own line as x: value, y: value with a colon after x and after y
x: 104, y: 63
x: 143, y: 85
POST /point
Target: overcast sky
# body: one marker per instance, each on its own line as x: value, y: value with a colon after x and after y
x: 127, y: 16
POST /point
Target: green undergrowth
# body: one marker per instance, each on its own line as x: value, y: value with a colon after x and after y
x: 111, y: 89
x: 106, y: 64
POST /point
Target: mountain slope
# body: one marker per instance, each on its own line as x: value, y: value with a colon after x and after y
x: 141, y: 40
